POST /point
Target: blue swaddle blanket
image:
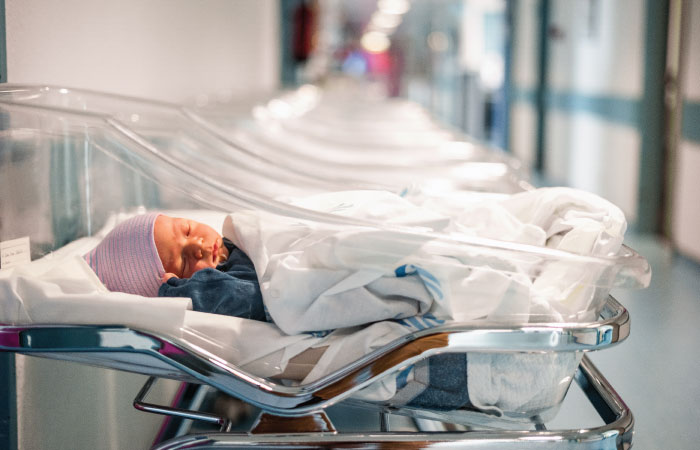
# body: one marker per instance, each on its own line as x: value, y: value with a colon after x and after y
x: 231, y: 289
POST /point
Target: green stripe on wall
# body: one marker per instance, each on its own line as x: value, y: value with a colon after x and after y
x: 624, y: 111
x: 522, y: 95
x: 690, y: 129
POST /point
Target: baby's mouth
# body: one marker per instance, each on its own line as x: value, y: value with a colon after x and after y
x: 223, y: 251
x: 218, y: 254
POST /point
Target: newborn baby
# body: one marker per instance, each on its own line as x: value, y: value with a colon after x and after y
x: 157, y: 255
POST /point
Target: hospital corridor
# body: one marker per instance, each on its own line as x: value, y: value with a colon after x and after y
x: 367, y: 224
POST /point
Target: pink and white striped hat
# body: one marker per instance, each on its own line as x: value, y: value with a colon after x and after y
x: 127, y: 258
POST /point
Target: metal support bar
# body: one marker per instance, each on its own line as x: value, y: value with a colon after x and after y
x: 224, y: 423
x: 607, y: 403
x: 383, y: 422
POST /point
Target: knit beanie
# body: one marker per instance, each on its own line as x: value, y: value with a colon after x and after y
x: 127, y: 259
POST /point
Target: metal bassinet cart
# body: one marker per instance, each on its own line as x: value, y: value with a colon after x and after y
x: 65, y: 155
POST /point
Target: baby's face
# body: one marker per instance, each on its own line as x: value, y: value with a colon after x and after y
x: 186, y: 246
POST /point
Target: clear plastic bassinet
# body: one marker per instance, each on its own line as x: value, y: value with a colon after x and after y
x: 356, y: 127
x: 277, y: 164
x: 347, y: 132
x: 66, y: 173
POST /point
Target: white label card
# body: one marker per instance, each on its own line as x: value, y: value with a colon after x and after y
x: 14, y: 252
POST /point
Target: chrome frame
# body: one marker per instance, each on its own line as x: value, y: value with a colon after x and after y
x: 123, y: 348
x: 616, y: 433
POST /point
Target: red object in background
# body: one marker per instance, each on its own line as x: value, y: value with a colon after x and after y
x: 386, y: 65
x: 378, y: 63
x: 304, y: 21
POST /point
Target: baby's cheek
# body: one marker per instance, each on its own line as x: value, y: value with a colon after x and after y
x: 169, y: 266
x: 201, y: 264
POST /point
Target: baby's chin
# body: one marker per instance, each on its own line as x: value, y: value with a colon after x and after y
x: 210, y: 265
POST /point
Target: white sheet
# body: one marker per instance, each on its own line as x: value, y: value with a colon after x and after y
x: 61, y: 288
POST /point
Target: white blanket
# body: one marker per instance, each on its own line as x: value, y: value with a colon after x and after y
x: 318, y: 277
x: 60, y: 288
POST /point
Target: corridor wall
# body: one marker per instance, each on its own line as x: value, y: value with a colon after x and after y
x: 172, y: 50
x: 685, y: 221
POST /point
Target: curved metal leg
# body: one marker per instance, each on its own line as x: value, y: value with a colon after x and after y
x: 224, y: 424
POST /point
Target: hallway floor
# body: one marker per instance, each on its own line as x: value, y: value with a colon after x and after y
x: 656, y: 369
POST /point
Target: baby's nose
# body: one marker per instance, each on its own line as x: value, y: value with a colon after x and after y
x: 196, y: 249
x: 203, y: 251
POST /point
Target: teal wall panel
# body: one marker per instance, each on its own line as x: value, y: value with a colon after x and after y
x: 652, y: 159
x: 8, y: 406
